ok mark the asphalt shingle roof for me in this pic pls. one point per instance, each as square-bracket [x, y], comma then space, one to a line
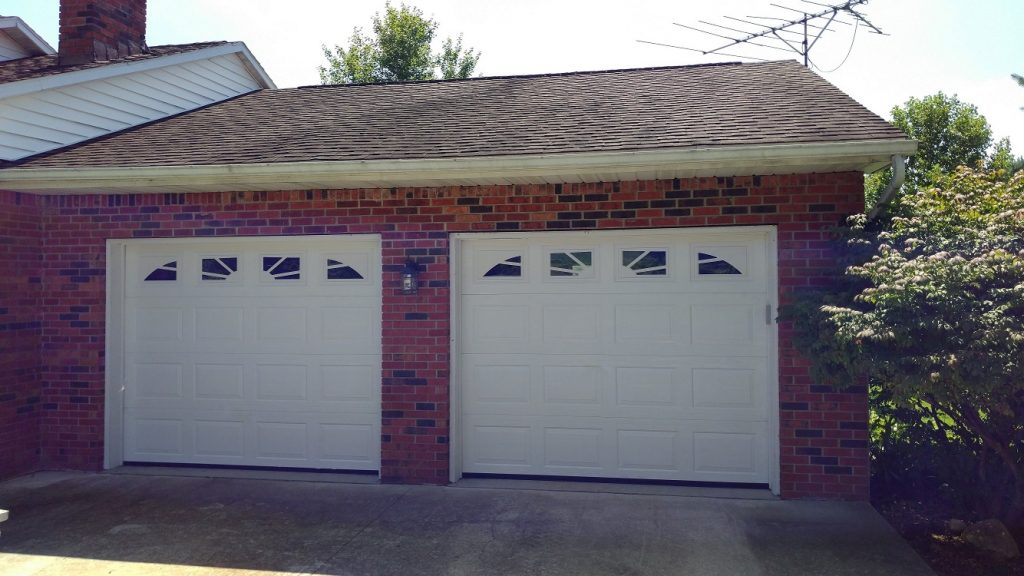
[616, 110]
[48, 65]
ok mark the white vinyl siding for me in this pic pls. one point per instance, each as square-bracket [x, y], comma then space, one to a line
[9, 49]
[54, 118]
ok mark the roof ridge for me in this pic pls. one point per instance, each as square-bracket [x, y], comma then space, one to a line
[199, 43]
[550, 74]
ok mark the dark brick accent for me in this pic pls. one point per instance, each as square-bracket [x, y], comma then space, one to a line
[843, 470]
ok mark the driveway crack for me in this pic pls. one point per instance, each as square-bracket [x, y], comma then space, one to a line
[321, 565]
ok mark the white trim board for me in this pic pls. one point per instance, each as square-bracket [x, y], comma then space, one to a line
[661, 163]
[25, 36]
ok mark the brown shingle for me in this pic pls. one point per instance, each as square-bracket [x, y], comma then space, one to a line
[698, 106]
[39, 66]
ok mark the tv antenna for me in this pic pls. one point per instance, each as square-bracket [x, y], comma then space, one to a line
[793, 34]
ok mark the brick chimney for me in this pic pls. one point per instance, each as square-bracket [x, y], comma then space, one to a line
[98, 30]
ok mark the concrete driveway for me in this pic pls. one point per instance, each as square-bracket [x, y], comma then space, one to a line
[85, 524]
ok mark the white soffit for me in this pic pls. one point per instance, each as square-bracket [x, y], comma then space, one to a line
[23, 34]
[862, 156]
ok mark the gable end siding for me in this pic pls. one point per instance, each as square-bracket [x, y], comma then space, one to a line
[51, 119]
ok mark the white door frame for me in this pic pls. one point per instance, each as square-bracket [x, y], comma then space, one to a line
[114, 334]
[456, 384]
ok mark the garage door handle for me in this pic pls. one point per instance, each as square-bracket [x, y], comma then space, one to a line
[768, 314]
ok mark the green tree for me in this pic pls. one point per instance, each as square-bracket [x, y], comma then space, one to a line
[398, 50]
[950, 133]
[934, 314]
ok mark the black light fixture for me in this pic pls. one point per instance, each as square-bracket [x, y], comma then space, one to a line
[410, 277]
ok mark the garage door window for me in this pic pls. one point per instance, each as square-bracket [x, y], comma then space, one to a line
[711, 264]
[509, 267]
[166, 273]
[219, 268]
[646, 262]
[572, 263]
[283, 267]
[338, 270]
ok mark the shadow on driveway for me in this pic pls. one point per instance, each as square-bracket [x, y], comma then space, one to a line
[85, 524]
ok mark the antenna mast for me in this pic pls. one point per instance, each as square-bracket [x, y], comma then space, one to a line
[788, 34]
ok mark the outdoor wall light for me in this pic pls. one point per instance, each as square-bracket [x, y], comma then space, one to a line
[410, 277]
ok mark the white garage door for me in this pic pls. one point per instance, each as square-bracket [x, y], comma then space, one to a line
[253, 352]
[639, 354]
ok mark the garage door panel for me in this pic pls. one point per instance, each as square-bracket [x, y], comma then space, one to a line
[713, 325]
[219, 380]
[565, 387]
[254, 352]
[718, 451]
[569, 327]
[502, 445]
[649, 453]
[220, 439]
[347, 445]
[602, 386]
[504, 326]
[158, 381]
[318, 383]
[163, 439]
[158, 326]
[635, 356]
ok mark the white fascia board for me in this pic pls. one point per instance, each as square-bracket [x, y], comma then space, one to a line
[25, 36]
[253, 66]
[549, 168]
[122, 68]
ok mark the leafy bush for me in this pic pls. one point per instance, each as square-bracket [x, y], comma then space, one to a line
[932, 308]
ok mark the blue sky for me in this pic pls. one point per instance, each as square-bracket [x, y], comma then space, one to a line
[963, 48]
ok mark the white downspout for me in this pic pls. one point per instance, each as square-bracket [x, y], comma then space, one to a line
[899, 174]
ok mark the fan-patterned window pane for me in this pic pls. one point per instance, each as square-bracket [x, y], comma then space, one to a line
[165, 273]
[646, 262]
[337, 270]
[509, 267]
[219, 268]
[570, 263]
[711, 264]
[282, 267]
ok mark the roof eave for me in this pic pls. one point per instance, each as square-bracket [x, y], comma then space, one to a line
[25, 36]
[662, 163]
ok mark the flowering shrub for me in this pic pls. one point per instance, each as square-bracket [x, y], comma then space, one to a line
[932, 310]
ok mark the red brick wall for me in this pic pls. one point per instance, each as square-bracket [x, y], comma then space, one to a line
[823, 433]
[20, 328]
[94, 30]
